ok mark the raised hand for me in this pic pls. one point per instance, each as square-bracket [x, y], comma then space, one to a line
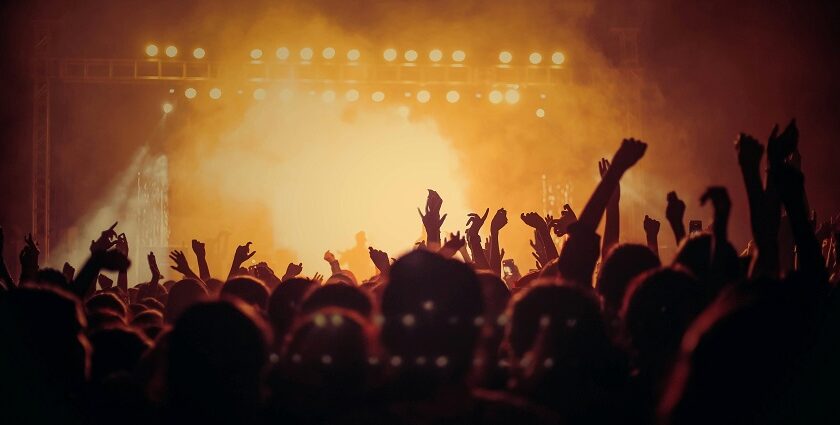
[781, 146]
[198, 248]
[292, 270]
[561, 225]
[380, 259]
[630, 152]
[105, 282]
[243, 253]
[534, 220]
[749, 151]
[318, 278]
[68, 271]
[153, 268]
[499, 220]
[719, 197]
[329, 257]
[432, 220]
[651, 226]
[452, 245]
[106, 240]
[181, 264]
[674, 213]
[29, 259]
[475, 221]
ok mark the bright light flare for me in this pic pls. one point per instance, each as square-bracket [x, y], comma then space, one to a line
[190, 93]
[353, 55]
[540, 112]
[256, 54]
[505, 57]
[377, 96]
[151, 50]
[496, 97]
[199, 53]
[306, 53]
[390, 54]
[282, 53]
[535, 58]
[558, 58]
[452, 96]
[171, 51]
[328, 53]
[351, 95]
[410, 55]
[423, 96]
[435, 55]
[167, 108]
[215, 93]
[512, 96]
[459, 56]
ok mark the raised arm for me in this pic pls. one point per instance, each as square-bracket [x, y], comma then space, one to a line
[5, 276]
[335, 266]
[613, 223]
[432, 220]
[791, 185]
[183, 266]
[750, 152]
[652, 233]
[380, 259]
[675, 213]
[201, 257]
[499, 221]
[474, 223]
[122, 275]
[242, 254]
[29, 260]
[628, 154]
[541, 233]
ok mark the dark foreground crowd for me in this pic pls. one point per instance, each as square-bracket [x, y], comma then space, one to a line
[600, 332]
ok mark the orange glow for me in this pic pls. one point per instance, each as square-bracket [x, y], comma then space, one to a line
[151, 50]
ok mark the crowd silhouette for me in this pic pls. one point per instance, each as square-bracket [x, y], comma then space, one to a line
[600, 332]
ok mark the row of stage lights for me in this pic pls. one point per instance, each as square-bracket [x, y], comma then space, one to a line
[510, 96]
[353, 55]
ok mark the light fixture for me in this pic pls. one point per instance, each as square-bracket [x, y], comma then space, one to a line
[505, 57]
[215, 93]
[282, 53]
[535, 58]
[151, 50]
[389, 54]
[171, 51]
[435, 55]
[452, 96]
[353, 55]
[190, 93]
[256, 54]
[558, 58]
[306, 53]
[459, 56]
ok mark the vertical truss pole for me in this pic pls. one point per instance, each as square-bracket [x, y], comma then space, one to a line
[41, 139]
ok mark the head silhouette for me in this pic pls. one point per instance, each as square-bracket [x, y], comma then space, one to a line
[217, 353]
[623, 263]
[338, 295]
[106, 301]
[116, 349]
[284, 304]
[182, 295]
[248, 290]
[431, 308]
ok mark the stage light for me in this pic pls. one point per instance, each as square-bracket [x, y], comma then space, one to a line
[256, 54]
[328, 53]
[171, 91]
[411, 55]
[423, 96]
[328, 96]
[353, 55]
[306, 53]
[535, 58]
[152, 50]
[540, 112]
[558, 58]
[435, 55]
[407, 94]
[459, 56]
[282, 53]
[215, 93]
[190, 93]
[452, 96]
[167, 108]
[286, 95]
[377, 96]
[496, 97]
[389, 54]
[171, 51]
[512, 96]
[352, 95]
[542, 96]
[259, 94]
[505, 57]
